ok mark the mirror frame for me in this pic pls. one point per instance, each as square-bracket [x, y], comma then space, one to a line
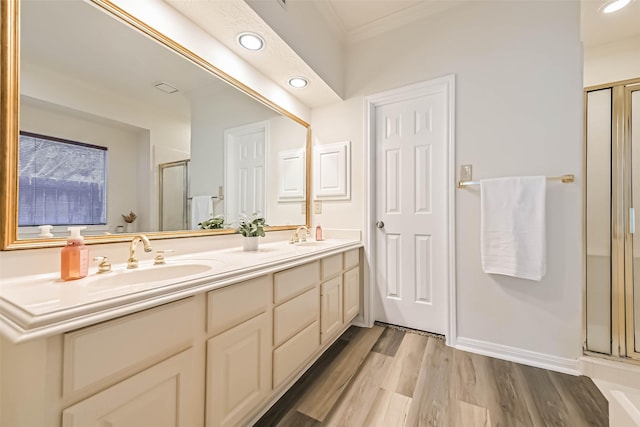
[10, 113]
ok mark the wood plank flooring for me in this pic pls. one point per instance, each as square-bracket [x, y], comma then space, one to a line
[388, 377]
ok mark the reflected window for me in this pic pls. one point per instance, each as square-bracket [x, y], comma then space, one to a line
[61, 182]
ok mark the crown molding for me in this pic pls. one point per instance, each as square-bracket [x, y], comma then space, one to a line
[403, 17]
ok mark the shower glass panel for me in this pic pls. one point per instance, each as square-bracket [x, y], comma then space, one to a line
[598, 218]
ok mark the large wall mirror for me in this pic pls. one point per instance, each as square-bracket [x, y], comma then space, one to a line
[104, 106]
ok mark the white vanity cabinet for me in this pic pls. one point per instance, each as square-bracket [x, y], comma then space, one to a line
[160, 396]
[126, 360]
[239, 355]
[331, 297]
[296, 318]
[351, 285]
[219, 356]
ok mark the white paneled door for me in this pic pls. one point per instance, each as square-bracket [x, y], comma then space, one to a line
[245, 171]
[411, 263]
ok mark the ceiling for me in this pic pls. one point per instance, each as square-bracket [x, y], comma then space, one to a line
[598, 29]
[355, 20]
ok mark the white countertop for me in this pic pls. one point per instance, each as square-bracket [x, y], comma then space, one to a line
[43, 305]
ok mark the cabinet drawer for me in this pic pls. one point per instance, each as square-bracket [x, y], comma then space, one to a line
[103, 354]
[288, 358]
[292, 282]
[232, 305]
[331, 266]
[294, 315]
[351, 258]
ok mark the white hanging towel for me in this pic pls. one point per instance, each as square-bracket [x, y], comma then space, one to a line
[513, 230]
[201, 210]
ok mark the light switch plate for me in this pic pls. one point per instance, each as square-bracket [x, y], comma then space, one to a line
[466, 173]
[317, 207]
[303, 208]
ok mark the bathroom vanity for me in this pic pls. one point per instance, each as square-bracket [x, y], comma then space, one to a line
[211, 339]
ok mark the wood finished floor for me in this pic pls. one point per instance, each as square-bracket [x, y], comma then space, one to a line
[387, 377]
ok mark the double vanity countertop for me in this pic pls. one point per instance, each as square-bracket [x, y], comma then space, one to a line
[43, 305]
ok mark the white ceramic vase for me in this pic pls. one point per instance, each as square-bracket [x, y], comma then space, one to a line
[250, 243]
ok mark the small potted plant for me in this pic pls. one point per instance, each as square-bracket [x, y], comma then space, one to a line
[215, 223]
[251, 229]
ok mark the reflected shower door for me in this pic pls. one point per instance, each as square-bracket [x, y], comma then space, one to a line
[174, 190]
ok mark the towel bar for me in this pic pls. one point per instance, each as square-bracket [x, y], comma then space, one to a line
[564, 178]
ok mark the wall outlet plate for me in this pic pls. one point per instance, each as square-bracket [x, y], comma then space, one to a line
[317, 207]
[303, 208]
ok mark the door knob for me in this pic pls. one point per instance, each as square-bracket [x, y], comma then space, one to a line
[380, 224]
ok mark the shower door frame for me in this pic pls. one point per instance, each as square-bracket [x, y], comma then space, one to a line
[630, 348]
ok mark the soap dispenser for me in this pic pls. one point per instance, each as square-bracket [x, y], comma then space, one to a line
[74, 258]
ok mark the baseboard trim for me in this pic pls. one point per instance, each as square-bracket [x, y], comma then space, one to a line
[518, 355]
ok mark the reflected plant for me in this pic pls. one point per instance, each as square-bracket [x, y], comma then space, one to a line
[215, 223]
[129, 218]
[253, 227]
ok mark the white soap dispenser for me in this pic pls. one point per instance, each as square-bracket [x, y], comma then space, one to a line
[45, 231]
[74, 258]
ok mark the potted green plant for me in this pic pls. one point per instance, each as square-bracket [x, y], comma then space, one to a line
[215, 223]
[251, 229]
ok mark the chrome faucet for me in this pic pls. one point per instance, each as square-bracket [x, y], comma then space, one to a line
[132, 262]
[297, 237]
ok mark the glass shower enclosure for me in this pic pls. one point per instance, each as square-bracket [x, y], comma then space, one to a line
[612, 231]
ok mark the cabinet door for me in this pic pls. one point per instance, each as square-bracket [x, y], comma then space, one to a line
[330, 308]
[161, 396]
[351, 294]
[238, 371]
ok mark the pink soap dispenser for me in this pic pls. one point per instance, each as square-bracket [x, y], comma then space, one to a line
[74, 258]
[319, 233]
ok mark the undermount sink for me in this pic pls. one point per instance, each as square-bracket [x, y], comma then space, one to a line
[159, 273]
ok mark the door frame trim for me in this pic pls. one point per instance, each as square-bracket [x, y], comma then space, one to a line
[444, 84]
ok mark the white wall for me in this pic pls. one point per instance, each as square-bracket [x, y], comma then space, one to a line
[612, 62]
[518, 68]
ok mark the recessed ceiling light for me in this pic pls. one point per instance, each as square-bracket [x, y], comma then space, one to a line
[614, 5]
[250, 41]
[298, 82]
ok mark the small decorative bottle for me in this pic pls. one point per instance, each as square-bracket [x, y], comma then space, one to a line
[319, 233]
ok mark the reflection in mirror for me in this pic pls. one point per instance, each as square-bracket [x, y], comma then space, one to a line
[106, 84]
[174, 195]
